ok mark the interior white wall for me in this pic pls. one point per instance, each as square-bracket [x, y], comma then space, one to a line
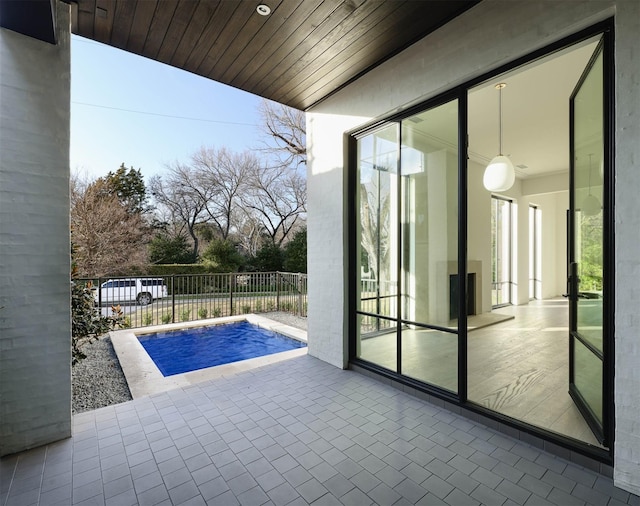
[461, 50]
[35, 323]
[553, 208]
[479, 228]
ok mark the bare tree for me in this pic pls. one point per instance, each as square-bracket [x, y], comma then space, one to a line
[277, 196]
[223, 175]
[249, 232]
[285, 128]
[106, 238]
[183, 196]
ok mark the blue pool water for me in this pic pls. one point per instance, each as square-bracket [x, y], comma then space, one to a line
[180, 351]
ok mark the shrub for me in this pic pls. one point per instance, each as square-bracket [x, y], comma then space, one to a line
[167, 317]
[217, 312]
[148, 319]
[202, 312]
[246, 308]
[87, 324]
[186, 314]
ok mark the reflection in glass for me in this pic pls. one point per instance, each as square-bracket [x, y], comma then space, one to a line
[377, 197]
[429, 184]
[377, 341]
[589, 195]
[588, 378]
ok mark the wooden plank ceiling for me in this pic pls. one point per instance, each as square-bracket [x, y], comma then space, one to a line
[298, 55]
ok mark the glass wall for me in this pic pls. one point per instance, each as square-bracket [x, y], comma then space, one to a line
[412, 220]
[408, 246]
[377, 197]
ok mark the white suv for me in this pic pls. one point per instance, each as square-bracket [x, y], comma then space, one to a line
[140, 290]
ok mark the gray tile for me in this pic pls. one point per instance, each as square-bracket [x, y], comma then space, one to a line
[283, 494]
[338, 485]
[232, 470]
[416, 472]
[60, 495]
[561, 498]
[269, 480]
[486, 495]
[365, 481]
[253, 497]
[297, 476]
[311, 490]
[557, 480]
[126, 498]
[356, 497]
[348, 468]
[147, 482]
[463, 465]
[284, 463]
[87, 490]
[213, 488]
[508, 472]
[535, 485]
[440, 469]
[437, 486]
[183, 492]
[589, 495]
[463, 482]
[580, 475]
[225, 499]
[323, 471]
[390, 476]
[459, 498]
[530, 467]
[513, 492]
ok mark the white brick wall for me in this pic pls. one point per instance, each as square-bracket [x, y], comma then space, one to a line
[35, 329]
[487, 36]
[627, 247]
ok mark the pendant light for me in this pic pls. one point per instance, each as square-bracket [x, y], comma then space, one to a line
[499, 175]
[591, 204]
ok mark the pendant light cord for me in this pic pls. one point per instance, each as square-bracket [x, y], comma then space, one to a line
[500, 86]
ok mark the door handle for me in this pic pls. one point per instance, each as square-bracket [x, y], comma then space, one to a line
[572, 281]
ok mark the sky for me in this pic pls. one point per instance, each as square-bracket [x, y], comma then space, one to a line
[133, 110]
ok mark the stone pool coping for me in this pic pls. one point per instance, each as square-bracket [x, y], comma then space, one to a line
[144, 377]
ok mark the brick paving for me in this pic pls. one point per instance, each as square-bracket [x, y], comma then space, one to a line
[295, 432]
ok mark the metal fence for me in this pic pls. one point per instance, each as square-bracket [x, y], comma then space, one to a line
[187, 297]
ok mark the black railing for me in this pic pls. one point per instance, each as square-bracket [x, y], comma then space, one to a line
[154, 300]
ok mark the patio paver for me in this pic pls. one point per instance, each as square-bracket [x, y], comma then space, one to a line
[294, 432]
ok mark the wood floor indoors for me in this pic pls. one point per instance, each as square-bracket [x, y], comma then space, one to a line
[518, 367]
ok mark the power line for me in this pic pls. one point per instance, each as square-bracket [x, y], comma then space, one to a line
[165, 115]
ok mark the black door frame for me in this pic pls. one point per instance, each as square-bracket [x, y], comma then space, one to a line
[606, 29]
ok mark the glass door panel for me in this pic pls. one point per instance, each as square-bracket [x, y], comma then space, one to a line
[429, 185]
[377, 257]
[586, 244]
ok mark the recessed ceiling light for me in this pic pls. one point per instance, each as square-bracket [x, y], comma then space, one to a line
[263, 10]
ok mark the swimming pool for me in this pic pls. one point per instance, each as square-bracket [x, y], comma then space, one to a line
[185, 350]
[145, 378]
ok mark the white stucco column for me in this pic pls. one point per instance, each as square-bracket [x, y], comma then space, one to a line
[35, 324]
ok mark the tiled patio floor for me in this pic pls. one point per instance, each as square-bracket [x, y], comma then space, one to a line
[295, 432]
